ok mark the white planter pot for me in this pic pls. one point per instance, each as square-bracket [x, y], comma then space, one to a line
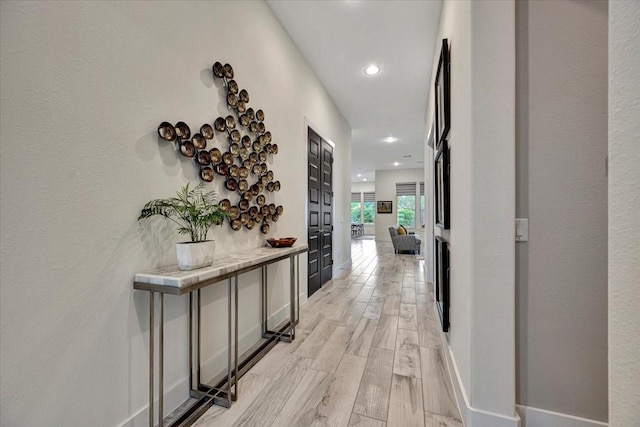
[194, 255]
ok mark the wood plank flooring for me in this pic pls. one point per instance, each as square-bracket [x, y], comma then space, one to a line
[367, 353]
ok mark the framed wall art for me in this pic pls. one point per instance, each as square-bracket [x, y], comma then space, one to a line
[385, 207]
[442, 281]
[443, 95]
[441, 168]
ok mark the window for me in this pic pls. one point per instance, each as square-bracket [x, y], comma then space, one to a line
[369, 208]
[363, 208]
[356, 208]
[406, 202]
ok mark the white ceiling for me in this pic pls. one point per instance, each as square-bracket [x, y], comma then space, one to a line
[339, 39]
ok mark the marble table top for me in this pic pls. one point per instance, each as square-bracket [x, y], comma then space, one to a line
[172, 277]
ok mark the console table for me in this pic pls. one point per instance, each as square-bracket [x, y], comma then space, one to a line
[226, 267]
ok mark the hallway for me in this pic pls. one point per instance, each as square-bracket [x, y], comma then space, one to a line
[367, 353]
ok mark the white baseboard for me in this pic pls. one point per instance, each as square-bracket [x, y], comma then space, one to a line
[534, 417]
[526, 416]
[337, 270]
[479, 418]
[175, 395]
[452, 371]
[471, 417]
[454, 377]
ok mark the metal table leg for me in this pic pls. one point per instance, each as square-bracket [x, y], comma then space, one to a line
[235, 345]
[161, 367]
[263, 298]
[298, 290]
[292, 302]
[151, 345]
[190, 330]
[160, 360]
[229, 343]
[198, 337]
[287, 332]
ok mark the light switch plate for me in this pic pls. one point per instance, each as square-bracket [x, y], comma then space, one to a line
[522, 229]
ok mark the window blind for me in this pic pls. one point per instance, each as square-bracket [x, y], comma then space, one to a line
[422, 188]
[355, 197]
[406, 189]
[369, 197]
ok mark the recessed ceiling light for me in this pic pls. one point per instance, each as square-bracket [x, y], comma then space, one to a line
[390, 139]
[372, 70]
[364, 179]
[395, 163]
[359, 175]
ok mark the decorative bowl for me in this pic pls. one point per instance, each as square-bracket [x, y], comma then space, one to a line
[284, 242]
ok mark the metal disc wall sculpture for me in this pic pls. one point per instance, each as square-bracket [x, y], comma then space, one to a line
[242, 159]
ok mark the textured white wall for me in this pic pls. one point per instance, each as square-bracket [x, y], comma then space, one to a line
[562, 269]
[482, 147]
[84, 86]
[455, 25]
[386, 190]
[493, 206]
[624, 221]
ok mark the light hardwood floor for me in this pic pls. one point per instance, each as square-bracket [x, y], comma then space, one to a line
[367, 353]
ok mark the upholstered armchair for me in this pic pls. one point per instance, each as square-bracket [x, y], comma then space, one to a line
[406, 242]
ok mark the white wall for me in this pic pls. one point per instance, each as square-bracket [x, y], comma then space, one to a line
[493, 206]
[624, 221]
[84, 86]
[482, 147]
[363, 187]
[386, 190]
[562, 189]
[455, 25]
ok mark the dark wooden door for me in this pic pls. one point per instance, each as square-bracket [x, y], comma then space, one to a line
[327, 212]
[320, 160]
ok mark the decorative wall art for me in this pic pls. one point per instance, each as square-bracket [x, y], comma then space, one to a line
[441, 181]
[442, 281]
[385, 207]
[443, 95]
[246, 146]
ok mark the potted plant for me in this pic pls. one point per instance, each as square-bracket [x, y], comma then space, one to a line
[194, 211]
